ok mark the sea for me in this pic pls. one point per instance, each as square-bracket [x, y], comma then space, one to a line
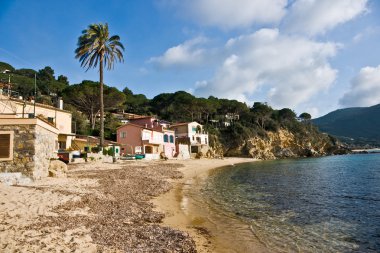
[327, 204]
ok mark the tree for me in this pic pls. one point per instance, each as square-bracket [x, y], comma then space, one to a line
[262, 113]
[46, 74]
[97, 47]
[63, 79]
[286, 114]
[5, 66]
[25, 72]
[305, 116]
[85, 97]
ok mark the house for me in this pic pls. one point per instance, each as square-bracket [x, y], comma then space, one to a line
[139, 139]
[192, 134]
[11, 107]
[151, 122]
[91, 144]
[30, 135]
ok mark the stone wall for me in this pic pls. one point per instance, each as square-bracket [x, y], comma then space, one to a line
[33, 147]
[45, 146]
[23, 149]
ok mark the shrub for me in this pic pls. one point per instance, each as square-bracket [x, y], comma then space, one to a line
[95, 149]
[110, 152]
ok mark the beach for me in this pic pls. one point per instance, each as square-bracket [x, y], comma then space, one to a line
[108, 208]
[181, 207]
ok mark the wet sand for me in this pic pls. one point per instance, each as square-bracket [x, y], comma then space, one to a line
[185, 210]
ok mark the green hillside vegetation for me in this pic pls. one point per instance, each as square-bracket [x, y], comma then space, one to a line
[229, 122]
[5, 66]
[357, 126]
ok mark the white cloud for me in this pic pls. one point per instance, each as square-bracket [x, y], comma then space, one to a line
[286, 70]
[318, 16]
[188, 53]
[369, 31]
[365, 88]
[230, 14]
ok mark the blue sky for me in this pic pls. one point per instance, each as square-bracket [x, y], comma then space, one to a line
[308, 55]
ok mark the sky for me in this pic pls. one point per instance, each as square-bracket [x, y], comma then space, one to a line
[308, 55]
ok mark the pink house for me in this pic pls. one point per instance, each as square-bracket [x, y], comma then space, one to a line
[146, 136]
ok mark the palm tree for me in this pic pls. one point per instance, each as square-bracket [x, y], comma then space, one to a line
[95, 46]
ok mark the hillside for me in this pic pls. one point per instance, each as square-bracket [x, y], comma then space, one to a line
[358, 126]
[235, 128]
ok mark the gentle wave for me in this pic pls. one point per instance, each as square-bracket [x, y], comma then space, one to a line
[328, 204]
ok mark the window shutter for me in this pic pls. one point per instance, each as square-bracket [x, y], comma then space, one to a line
[5, 144]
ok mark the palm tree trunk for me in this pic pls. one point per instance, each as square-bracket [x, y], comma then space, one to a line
[101, 102]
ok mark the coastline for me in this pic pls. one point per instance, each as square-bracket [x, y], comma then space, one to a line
[176, 203]
[81, 212]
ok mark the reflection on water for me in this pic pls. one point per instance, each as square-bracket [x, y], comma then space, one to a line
[329, 204]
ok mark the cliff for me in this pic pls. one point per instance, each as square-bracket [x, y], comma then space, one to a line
[281, 144]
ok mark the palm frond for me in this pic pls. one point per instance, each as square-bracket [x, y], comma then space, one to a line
[95, 45]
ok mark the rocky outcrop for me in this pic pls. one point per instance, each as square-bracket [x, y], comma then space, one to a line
[284, 144]
[57, 169]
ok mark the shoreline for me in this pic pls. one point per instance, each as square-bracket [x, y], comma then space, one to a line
[176, 204]
[149, 198]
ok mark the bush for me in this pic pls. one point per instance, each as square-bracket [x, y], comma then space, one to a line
[110, 152]
[95, 149]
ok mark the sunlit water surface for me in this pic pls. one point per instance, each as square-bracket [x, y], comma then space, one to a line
[329, 204]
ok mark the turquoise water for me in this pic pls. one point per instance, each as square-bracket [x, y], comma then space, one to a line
[329, 204]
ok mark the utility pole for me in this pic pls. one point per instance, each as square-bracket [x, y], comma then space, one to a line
[35, 93]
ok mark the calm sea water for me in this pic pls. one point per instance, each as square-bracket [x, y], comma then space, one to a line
[329, 204]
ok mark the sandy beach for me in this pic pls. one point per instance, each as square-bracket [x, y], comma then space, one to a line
[179, 213]
[104, 207]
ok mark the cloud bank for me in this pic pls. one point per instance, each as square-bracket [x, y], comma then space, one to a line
[318, 16]
[288, 65]
[231, 14]
[186, 54]
[365, 88]
[289, 69]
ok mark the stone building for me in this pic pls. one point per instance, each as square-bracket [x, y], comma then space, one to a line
[26, 146]
[31, 134]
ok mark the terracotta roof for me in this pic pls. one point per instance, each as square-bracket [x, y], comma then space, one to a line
[180, 124]
[135, 125]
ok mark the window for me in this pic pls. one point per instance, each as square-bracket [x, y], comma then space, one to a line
[206, 140]
[166, 138]
[194, 129]
[123, 134]
[148, 150]
[30, 115]
[51, 120]
[194, 149]
[171, 139]
[6, 146]
[62, 144]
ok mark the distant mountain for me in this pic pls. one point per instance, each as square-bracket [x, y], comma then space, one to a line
[358, 125]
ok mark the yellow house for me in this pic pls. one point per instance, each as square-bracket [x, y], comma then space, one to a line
[55, 116]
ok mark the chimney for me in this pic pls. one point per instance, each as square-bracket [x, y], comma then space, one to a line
[60, 103]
